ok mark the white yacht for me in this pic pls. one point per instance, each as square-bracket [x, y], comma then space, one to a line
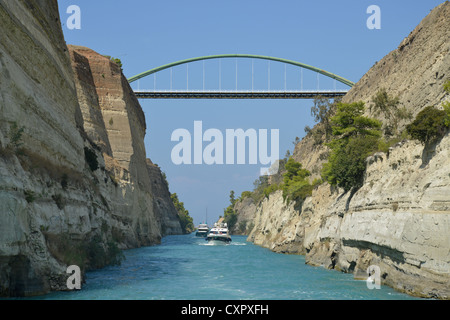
[202, 230]
[219, 233]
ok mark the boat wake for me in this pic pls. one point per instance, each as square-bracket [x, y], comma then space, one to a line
[238, 244]
[221, 243]
[214, 243]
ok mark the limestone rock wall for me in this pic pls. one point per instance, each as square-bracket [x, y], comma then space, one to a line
[415, 71]
[246, 213]
[162, 204]
[33, 62]
[74, 188]
[116, 123]
[400, 219]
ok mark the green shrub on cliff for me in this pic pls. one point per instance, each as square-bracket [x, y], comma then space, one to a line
[245, 194]
[258, 188]
[447, 86]
[447, 112]
[16, 133]
[389, 106]
[296, 186]
[271, 189]
[115, 60]
[322, 110]
[14, 147]
[355, 137]
[347, 163]
[429, 125]
[229, 214]
[446, 105]
[186, 221]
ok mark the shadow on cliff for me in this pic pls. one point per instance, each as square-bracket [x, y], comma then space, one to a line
[429, 150]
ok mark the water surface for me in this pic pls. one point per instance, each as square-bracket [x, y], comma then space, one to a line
[188, 268]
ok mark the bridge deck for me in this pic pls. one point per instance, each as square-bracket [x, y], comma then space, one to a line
[232, 94]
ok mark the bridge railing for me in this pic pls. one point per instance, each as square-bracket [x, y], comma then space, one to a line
[318, 92]
[238, 94]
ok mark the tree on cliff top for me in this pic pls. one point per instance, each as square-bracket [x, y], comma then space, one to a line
[115, 60]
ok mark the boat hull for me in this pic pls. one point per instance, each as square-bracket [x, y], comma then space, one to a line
[218, 238]
[201, 234]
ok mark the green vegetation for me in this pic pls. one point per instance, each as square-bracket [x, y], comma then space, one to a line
[229, 214]
[14, 146]
[16, 136]
[389, 106]
[351, 138]
[30, 196]
[446, 105]
[295, 185]
[429, 125]
[259, 185]
[355, 137]
[271, 189]
[245, 194]
[322, 111]
[447, 86]
[186, 221]
[115, 60]
[447, 114]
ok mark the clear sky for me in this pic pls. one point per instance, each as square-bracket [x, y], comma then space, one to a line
[332, 35]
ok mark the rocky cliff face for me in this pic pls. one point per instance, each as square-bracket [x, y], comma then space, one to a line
[399, 219]
[115, 122]
[162, 203]
[75, 184]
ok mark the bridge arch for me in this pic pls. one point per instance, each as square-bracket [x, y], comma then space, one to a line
[251, 56]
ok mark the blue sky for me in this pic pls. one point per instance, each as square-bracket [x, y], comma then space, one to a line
[328, 34]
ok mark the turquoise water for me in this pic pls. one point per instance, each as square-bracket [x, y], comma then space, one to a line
[188, 268]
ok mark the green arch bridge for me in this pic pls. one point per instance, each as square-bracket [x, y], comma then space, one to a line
[239, 94]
